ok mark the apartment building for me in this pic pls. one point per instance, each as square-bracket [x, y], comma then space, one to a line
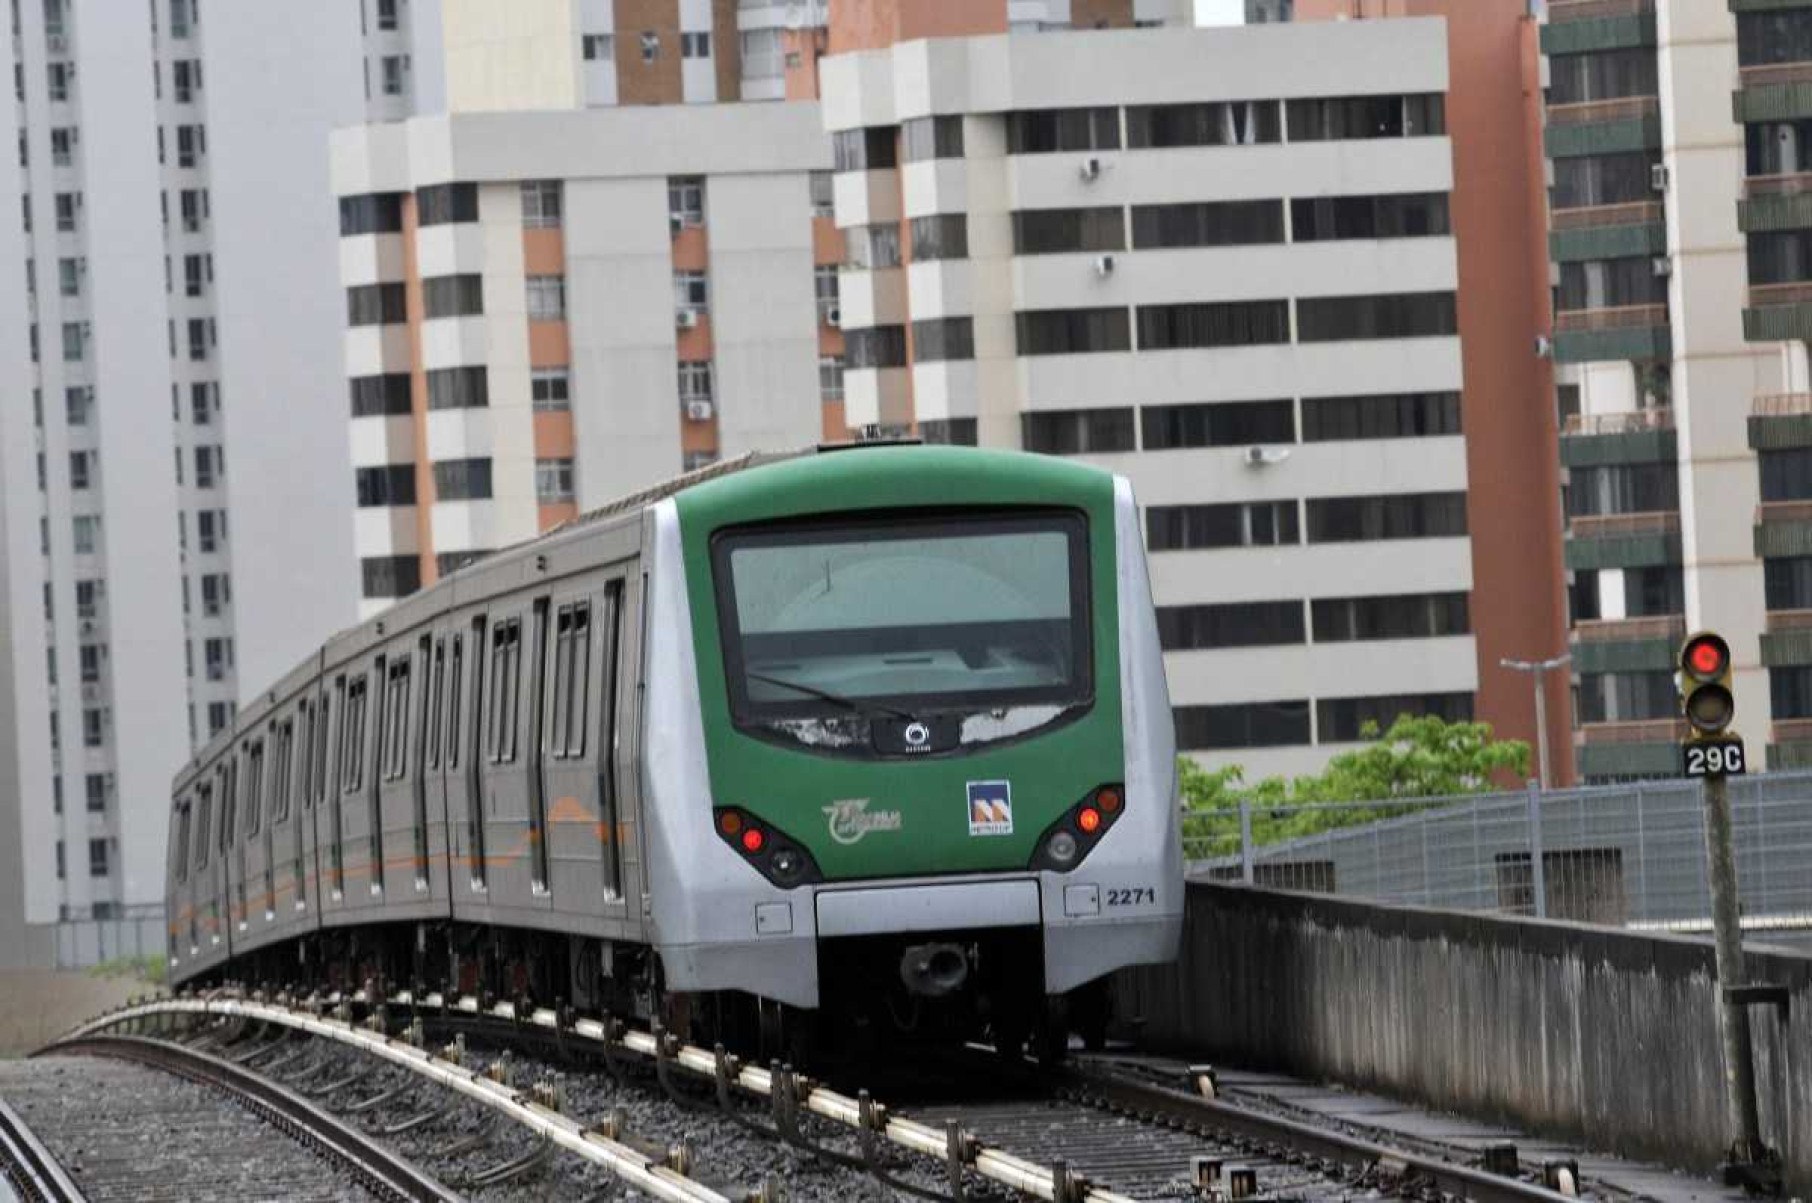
[173, 316]
[1223, 262]
[547, 310]
[1685, 399]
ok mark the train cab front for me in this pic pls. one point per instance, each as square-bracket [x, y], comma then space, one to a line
[940, 767]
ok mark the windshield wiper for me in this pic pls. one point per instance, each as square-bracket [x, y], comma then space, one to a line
[824, 695]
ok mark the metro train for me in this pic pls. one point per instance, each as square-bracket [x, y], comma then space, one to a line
[855, 739]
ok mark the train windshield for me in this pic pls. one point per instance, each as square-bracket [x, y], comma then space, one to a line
[830, 629]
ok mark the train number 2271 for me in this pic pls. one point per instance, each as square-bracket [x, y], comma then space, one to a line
[1132, 897]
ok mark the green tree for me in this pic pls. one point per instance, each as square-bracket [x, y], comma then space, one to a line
[1420, 757]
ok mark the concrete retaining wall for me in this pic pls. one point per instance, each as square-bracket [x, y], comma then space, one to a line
[1598, 1036]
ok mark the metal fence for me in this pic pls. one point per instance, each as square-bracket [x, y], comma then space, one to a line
[137, 931]
[1627, 855]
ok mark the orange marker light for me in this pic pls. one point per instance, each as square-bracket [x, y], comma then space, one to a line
[729, 822]
[1089, 820]
[752, 840]
[1108, 800]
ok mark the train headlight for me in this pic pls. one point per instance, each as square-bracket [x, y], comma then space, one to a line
[1061, 847]
[787, 864]
[1066, 842]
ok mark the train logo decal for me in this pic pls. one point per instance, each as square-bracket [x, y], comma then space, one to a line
[917, 735]
[851, 819]
[990, 808]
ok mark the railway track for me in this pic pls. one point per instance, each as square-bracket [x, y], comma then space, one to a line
[30, 1168]
[1066, 1140]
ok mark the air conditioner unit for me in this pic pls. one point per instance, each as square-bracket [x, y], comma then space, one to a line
[1544, 347]
[1104, 265]
[675, 223]
[1661, 265]
[685, 319]
[1090, 169]
[1657, 177]
[833, 316]
[1255, 457]
[699, 411]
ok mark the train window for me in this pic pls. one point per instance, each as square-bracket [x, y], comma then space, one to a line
[182, 842]
[395, 721]
[226, 778]
[572, 664]
[474, 785]
[202, 847]
[455, 686]
[610, 618]
[506, 690]
[282, 742]
[437, 688]
[352, 735]
[254, 787]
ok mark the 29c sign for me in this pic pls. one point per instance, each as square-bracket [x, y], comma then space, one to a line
[1715, 758]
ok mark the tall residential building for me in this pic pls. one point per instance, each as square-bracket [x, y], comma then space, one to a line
[173, 330]
[1685, 409]
[1224, 262]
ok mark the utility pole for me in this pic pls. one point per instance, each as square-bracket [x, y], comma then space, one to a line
[1538, 670]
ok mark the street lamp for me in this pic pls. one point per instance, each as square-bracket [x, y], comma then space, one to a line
[1538, 669]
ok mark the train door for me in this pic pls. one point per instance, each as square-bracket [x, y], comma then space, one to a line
[535, 715]
[465, 753]
[503, 800]
[333, 786]
[431, 817]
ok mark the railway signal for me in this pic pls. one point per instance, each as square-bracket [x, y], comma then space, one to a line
[1706, 700]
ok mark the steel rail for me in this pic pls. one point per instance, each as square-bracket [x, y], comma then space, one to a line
[1029, 1178]
[628, 1164]
[371, 1164]
[29, 1165]
[1354, 1154]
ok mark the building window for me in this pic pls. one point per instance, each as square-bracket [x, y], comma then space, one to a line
[462, 480]
[686, 200]
[598, 48]
[1234, 524]
[67, 205]
[1388, 416]
[541, 204]
[553, 480]
[1213, 324]
[217, 654]
[75, 341]
[876, 347]
[182, 17]
[88, 661]
[375, 304]
[695, 45]
[948, 432]
[830, 378]
[1230, 624]
[197, 274]
[1777, 257]
[193, 203]
[1399, 315]
[97, 793]
[924, 138]
[216, 593]
[694, 380]
[1222, 424]
[1409, 215]
[691, 291]
[550, 389]
[1242, 725]
[1217, 223]
[1078, 431]
[185, 76]
[651, 46]
[455, 296]
[191, 145]
[372, 213]
[210, 466]
[97, 858]
[448, 562]
[1394, 516]
[94, 727]
[945, 338]
[459, 388]
[59, 76]
[828, 292]
[210, 530]
[62, 145]
[219, 715]
[1050, 130]
[81, 469]
[390, 576]
[944, 236]
[395, 73]
[872, 247]
[873, 149]
[380, 396]
[445, 203]
[387, 484]
[88, 593]
[1055, 231]
[823, 193]
[1325, 119]
[1604, 489]
[1406, 616]
[1072, 331]
[62, 867]
[201, 338]
[1605, 74]
[386, 14]
[762, 54]
[1223, 123]
[1349, 720]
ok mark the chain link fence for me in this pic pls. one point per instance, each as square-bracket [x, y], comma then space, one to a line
[1628, 855]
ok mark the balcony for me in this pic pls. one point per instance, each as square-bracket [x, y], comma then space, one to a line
[1787, 639]
[1791, 745]
[1642, 748]
[1603, 127]
[1774, 92]
[1607, 232]
[1640, 436]
[1627, 332]
[1623, 541]
[1783, 528]
[1778, 312]
[1619, 645]
[1776, 202]
[1578, 26]
[1779, 421]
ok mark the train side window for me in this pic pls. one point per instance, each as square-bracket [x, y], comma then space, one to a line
[225, 779]
[352, 735]
[456, 673]
[182, 842]
[560, 683]
[572, 680]
[202, 847]
[396, 720]
[254, 787]
[610, 619]
[506, 690]
[283, 736]
[437, 688]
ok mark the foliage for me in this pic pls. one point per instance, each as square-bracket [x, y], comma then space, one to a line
[146, 969]
[1420, 757]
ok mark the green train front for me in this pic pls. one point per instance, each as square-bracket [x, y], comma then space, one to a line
[907, 743]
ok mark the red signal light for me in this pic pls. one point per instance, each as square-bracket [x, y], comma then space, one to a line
[752, 840]
[1706, 658]
[1109, 800]
[1089, 820]
[729, 822]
